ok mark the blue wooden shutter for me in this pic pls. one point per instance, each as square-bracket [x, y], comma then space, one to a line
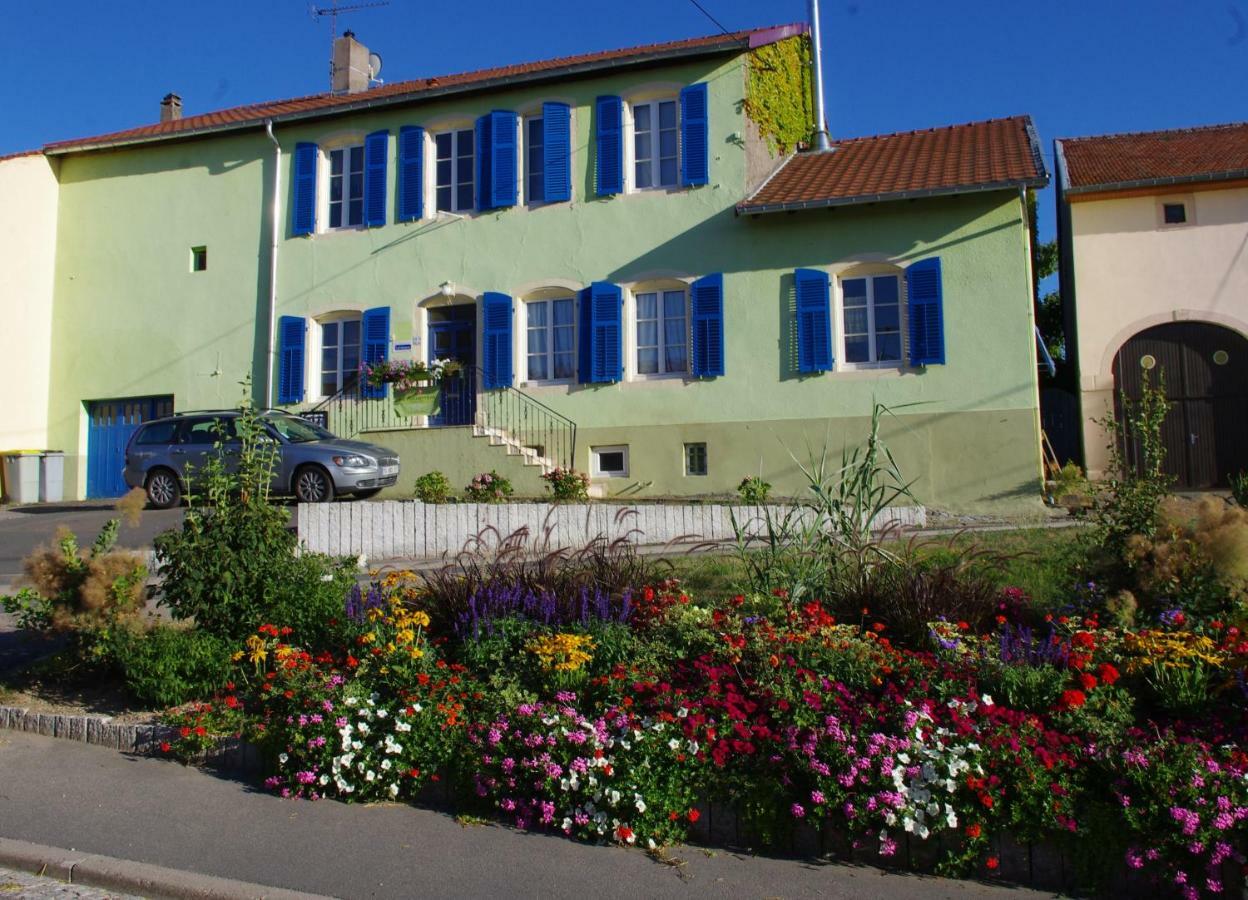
[707, 305]
[609, 140]
[411, 175]
[376, 147]
[695, 144]
[556, 152]
[496, 160]
[606, 332]
[814, 321]
[291, 332]
[584, 336]
[496, 335]
[303, 209]
[925, 310]
[376, 337]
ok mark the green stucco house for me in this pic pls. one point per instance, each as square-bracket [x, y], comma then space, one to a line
[644, 270]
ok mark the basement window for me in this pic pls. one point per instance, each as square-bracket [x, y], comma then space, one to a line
[695, 459]
[609, 462]
[199, 259]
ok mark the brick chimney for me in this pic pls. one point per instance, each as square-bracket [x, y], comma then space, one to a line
[350, 65]
[170, 108]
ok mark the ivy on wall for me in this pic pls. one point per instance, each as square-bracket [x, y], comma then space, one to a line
[780, 98]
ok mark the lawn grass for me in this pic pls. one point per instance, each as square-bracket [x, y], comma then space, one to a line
[1038, 560]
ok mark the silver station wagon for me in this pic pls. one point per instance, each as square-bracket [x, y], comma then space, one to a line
[312, 464]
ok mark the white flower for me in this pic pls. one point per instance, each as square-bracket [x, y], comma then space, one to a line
[324, 780]
[674, 744]
[370, 775]
[641, 805]
[357, 745]
[418, 707]
[394, 790]
[363, 729]
[614, 797]
[282, 757]
[381, 714]
[650, 843]
[402, 726]
[986, 700]
[681, 713]
[385, 764]
[350, 701]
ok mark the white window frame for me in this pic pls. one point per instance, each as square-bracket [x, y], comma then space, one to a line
[549, 296]
[869, 275]
[345, 203]
[315, 344]
[659, 290]
[595, 459]
[456, 132]
[655, 160]
[525, 159]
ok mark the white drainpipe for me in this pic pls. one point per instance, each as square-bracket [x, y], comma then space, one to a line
[821, 114]
[277, 181]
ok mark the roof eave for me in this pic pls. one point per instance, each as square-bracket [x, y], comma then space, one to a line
[1036, 182]
[743, 43]
[1169, 181]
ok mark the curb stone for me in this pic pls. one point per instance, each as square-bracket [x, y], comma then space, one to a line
[131, 877]
[231, 755]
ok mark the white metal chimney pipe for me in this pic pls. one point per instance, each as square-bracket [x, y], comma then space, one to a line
[821, 114]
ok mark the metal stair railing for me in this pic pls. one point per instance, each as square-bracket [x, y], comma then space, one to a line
[508, 414]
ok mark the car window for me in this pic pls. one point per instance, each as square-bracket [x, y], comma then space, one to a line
[208, 431]
[157, 433]
[296, 430]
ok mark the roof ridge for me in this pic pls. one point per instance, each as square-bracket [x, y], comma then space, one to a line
[1190, 129]
[931, 130]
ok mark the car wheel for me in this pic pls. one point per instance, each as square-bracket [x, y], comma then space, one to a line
[164, 491]
[364, 495]
[312, 485]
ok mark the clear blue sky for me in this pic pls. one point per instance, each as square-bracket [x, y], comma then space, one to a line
[79, 67]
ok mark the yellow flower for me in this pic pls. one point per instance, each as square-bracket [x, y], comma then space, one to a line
[420, 619]
[237, 656]
[562, 652]
[257, 651]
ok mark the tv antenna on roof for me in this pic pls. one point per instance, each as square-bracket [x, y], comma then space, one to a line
[331, 12]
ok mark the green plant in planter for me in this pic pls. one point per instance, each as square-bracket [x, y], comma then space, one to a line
[488, 487]
[433, 487]
[754, 490]
[567, 484]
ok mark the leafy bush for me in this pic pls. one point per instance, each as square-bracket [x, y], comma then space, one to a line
[1067, 481]
[488, 487]
[168, 666]
[753, 490]
[1239, 488]
[567, 484]
[79, 590]
[232, 565]
[433, 487]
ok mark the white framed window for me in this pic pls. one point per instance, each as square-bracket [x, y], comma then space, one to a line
[534, 156]
[656, 144]
[340, 353]
[871, 320]
[609, 462]
[550, 339]
[662, 331]
[346, 186]
[454, 167]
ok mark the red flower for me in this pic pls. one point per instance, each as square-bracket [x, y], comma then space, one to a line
[184, 731]
[693, 815]
[352, 662]
[673, 816]
[992, 862]
[877, 627]
[973, 830]
[1073, 699]
[200, 731]
[1108, 674]
[164, 747]
[231, 701]
[624, 833]
[1087, 682]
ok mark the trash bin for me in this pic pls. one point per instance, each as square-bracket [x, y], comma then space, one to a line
[51, 476]
[21, 476]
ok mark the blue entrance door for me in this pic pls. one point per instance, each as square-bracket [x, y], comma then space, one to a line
[453, 336]
[110, 425]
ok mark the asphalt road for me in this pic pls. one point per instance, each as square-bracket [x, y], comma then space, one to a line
[23, 528]
[96, 800]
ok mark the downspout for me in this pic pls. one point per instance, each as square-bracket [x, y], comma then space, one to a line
[821, 114]
[273, 246]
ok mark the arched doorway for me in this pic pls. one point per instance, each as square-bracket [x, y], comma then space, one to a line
[1206, 373]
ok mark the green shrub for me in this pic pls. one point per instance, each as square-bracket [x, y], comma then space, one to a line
[1068, 481]
[567, 484]
[168, 666]
[1239, 488]
[433, 487]
[753, 490]
[488, 487]
[1035, 688]
[232, 565]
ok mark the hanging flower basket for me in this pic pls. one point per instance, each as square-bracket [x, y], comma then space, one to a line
[418, 400]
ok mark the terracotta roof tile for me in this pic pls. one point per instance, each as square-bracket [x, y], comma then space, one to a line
[997, 153]
[1183, 154]
[19, 154]
[327, 104]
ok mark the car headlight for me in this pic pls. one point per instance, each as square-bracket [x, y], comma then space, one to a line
[353, 462]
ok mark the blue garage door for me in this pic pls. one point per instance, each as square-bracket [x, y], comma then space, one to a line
[111, 424]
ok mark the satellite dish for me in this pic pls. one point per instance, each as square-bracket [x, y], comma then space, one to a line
[374, 65]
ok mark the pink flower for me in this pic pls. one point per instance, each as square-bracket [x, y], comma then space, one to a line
[798, 810]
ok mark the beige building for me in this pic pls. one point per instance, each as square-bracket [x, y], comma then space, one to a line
[1154, 280]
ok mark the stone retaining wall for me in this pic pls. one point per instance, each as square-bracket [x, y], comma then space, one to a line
[409, 529]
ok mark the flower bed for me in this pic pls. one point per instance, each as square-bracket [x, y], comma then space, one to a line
[628, 720]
